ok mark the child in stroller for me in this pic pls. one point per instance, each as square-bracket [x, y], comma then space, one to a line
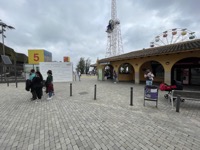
[176, 85]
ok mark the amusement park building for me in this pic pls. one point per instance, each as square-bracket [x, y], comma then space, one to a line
[179, 61]
[20, 58]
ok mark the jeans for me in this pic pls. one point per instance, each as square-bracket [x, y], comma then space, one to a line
[50, 93]
[149, 82]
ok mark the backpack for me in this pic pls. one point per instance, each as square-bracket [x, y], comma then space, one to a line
[28, 85]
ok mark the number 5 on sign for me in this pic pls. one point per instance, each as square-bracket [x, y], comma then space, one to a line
[35, 56]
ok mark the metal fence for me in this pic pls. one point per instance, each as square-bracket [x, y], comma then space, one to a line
[12, 74]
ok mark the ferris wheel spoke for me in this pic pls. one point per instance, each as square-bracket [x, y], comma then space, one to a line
[177, 39]
[157, 44]
[172, 39]
[162, 41]
[167, 40]
[184, 38]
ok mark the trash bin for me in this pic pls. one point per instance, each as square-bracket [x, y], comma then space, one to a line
[151, 93]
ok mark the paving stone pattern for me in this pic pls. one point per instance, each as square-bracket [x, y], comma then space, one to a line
[79, 122]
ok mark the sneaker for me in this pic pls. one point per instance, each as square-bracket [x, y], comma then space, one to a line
[49, 98]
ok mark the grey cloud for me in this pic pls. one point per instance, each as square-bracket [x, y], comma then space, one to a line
[77, 28]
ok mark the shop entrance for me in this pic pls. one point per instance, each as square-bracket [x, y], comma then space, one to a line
[187, 71]
[108, 72]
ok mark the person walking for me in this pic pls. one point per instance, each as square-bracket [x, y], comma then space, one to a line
[149, 77]
[115, 76]
[79, 75]
[49, 85]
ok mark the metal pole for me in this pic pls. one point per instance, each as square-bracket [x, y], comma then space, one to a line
[3, 25]
[15, 71]
[3, 40]
[131, 97]
[75, 76]
[4, 69]
[7, 78]
[95, 92]
[178, 103]
[70, 89]
[1, 72]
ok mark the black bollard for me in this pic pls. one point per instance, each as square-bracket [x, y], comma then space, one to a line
[178, 103]
[70, 89]
[7, 82]
[95, 92]
[131, 97]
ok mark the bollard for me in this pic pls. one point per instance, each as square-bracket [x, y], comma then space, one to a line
[178, 103]
[16, 82]
[70, 89]
[7, 81]
[131, 97]
[95, 91]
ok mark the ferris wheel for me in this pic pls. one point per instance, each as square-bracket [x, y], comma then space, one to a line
[173, 36]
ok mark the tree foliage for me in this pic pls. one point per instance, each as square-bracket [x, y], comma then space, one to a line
[83, 65]
[87, 65]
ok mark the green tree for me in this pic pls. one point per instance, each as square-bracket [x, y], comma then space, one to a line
[81, 65]
[87, 65]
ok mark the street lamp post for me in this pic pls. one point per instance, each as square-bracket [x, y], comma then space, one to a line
[2, 30]
[3, 27]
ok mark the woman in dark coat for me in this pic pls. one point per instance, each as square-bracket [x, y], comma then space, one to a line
[49, 85]
[37, 83]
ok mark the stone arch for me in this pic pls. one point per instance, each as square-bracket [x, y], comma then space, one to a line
[187, 70]
[126, 72]
[156, 68]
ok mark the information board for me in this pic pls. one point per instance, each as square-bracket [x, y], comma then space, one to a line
[62, 71]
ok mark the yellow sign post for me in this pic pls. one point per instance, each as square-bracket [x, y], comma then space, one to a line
[36, 56]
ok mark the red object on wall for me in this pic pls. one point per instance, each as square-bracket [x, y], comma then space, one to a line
[66, 59]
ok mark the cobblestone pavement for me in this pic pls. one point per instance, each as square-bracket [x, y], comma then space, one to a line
[79, 122]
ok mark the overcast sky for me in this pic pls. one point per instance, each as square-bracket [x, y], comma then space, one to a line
[76, 28]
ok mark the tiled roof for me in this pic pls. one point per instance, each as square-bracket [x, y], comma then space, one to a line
[162, 50]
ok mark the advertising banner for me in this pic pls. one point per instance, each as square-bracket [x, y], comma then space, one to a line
[62, 71]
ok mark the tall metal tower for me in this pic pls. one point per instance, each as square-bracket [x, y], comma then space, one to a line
[114, 41]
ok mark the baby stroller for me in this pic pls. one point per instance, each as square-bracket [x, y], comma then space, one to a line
[176, 85]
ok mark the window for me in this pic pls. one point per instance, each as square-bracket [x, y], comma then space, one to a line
[125, 69]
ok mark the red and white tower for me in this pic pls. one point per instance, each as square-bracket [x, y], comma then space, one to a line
[114, 43]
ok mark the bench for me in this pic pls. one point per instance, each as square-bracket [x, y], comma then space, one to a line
[186, 95]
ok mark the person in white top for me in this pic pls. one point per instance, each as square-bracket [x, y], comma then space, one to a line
[79, 75]
[149, 77]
